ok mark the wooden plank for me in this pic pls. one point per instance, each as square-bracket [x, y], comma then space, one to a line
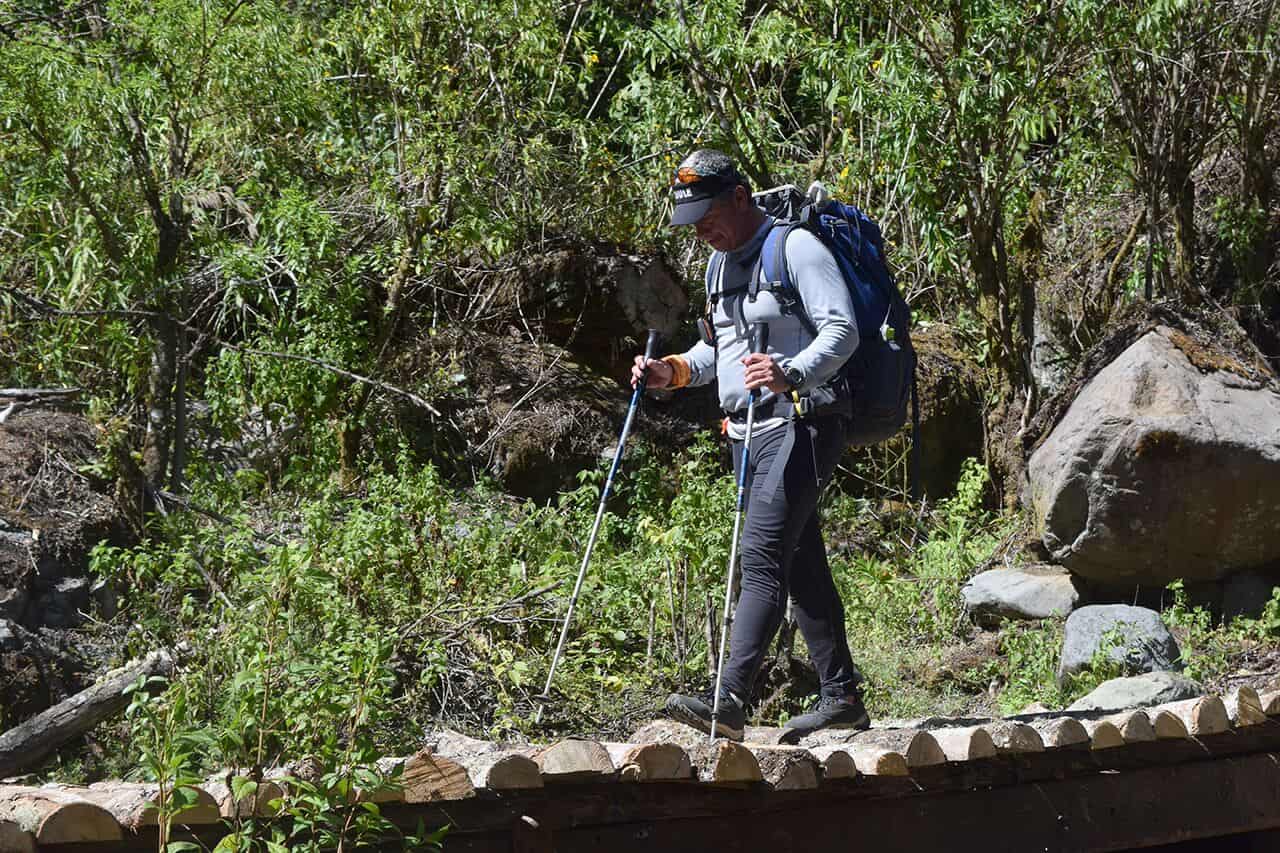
[1244, 706]
[1205, 715]
[964, 743]
[649, 762]
[1061, 733]
[488, 765]
[54, 816]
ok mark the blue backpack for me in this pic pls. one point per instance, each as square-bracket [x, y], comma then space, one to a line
[881, 372]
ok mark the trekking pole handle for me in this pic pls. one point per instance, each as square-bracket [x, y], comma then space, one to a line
[760, 338]
[651, 347]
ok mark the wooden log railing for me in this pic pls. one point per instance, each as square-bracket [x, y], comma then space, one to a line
[1189, 769]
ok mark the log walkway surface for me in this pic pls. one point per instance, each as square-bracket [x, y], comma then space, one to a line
[1199, 769]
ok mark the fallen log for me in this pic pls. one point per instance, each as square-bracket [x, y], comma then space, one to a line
[489, 765]
[57, 817]
[37, 393]
[28, 743]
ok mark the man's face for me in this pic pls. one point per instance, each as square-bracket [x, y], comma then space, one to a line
[720, 226]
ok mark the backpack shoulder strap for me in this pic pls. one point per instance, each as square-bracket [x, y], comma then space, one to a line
[773, 261]
[714, 266]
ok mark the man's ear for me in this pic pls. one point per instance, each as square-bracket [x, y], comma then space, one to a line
[741, 196]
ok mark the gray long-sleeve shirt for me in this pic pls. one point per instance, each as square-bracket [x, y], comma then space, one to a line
[825, 299]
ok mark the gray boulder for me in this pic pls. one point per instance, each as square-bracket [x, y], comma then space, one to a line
[1138, 691]
[1133, 637]
[1020, 592]
[1166, 465]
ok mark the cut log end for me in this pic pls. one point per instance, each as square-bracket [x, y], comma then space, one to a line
[1103, 735]
[1205, 715]
[1134, 726]
[1244, 707]
[1061, 733]
[1167, 725]
[964, 743]
[574, 760]
[649, 761]
[57, 817]
[1012, 738]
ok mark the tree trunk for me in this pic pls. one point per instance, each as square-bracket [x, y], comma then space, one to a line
[1182, 196]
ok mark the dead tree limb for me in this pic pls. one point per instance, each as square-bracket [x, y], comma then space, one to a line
[29, 742]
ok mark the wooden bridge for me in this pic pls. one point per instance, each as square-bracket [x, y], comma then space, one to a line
[1202, 774]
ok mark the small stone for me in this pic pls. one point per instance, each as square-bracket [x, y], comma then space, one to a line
[1020, 592]
[1133, 637]
[1139, 691]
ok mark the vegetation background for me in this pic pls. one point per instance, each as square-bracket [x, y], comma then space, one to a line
[269, 221]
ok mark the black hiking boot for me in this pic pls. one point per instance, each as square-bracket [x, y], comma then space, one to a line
[846, 712]
[696, 711]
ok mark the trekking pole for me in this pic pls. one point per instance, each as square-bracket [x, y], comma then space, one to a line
[759, 344]
[651, 348]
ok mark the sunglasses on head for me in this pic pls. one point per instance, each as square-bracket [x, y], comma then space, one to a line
[685, 175]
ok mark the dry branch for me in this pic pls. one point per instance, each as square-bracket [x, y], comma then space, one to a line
[27, 743]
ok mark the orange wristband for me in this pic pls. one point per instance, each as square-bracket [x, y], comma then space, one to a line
[680, 372]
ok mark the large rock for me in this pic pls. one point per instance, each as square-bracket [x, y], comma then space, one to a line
[1166, 465]
[1138, 691]
[1020, 592]
[1133, 637]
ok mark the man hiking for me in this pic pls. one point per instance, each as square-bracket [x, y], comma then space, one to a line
[800, 422]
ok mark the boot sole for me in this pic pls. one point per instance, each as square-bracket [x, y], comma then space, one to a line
[681, 715]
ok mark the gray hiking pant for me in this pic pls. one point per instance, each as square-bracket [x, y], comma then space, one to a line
[782, 552]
